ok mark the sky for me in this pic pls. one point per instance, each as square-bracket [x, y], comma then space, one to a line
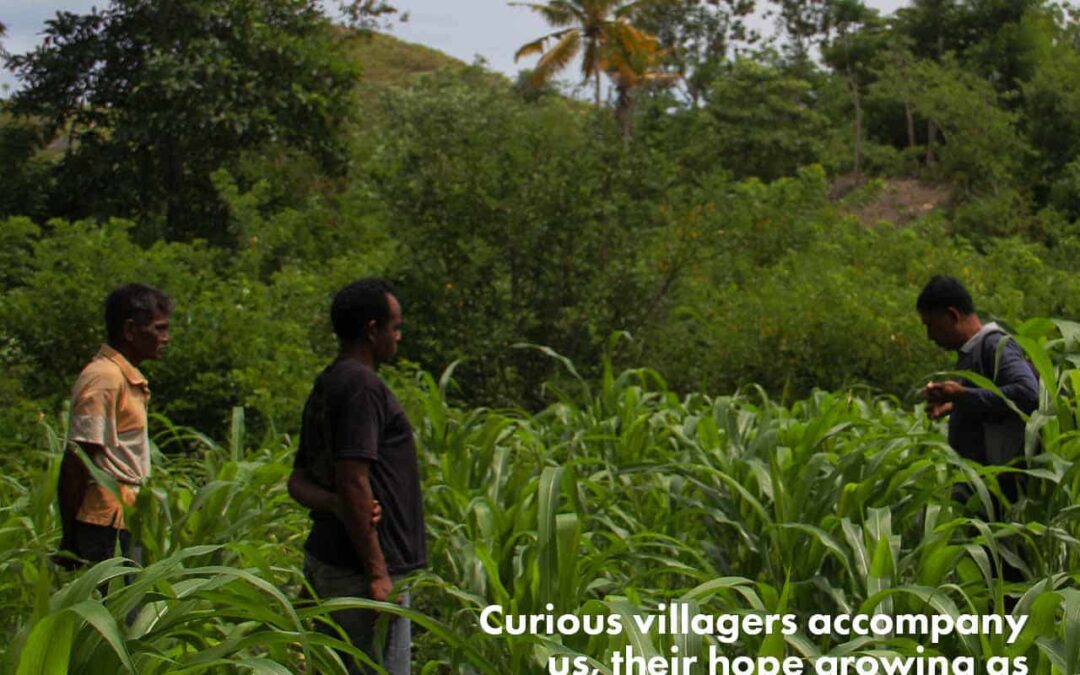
[465, 29]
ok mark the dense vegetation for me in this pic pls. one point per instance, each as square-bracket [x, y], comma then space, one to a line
[749, 214]
[619, 496]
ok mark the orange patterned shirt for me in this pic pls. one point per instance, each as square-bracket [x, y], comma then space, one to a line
[108, 410]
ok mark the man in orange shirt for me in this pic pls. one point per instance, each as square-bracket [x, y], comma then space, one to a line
[108, 421]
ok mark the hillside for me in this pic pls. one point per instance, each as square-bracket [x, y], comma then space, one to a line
[895, 200]
[389, 61]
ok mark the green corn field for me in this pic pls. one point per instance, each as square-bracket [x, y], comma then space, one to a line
[619, 496]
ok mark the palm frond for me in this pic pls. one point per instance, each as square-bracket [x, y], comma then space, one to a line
[556, 58]
[534, 47]
[631, 39]
[633, 58]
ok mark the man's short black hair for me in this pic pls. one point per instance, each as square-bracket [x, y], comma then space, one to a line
[357, 304]
[943, 292]
[137, 302]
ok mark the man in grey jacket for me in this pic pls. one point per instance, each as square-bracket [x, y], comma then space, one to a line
[982, 424]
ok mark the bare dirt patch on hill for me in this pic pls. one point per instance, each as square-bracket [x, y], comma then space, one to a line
[894, 200]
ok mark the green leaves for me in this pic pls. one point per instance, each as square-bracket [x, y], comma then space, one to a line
[756, 492]
[614, 500]
[149, 114]
[48, 648]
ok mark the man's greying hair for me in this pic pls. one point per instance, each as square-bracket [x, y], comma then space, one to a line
[137, 302]
[357, 304]
[943, 292]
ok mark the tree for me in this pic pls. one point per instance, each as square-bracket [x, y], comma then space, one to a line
[154, 96]
[24, 170]
[699, 36]
[761, 121]
[368, 15]
[930, 24]
[849, 36]
[989, 37]
[982, 150]
[1051, 118]
[995, 40]
[631, 71]
[858, 40]
[894, 82]
[520, 222]
[588, 26]
[802, 22]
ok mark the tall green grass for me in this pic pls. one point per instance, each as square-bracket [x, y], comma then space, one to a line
[618, 496]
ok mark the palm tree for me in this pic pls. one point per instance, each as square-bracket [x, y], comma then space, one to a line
[634, 64]
[592, 25]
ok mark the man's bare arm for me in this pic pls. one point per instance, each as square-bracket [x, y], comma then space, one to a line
[314, 497]
[357, 503]
[309, 494]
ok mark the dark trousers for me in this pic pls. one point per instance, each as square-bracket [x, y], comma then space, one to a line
[330, 581]
[95, 543]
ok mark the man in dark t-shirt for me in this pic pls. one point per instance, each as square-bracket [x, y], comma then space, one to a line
[356, 450]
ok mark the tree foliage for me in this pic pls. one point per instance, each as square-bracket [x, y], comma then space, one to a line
[761, 121]
[518, 223]
[150, 98]
[594, 28]
[721, 236]
[982, 148]
[700, 36]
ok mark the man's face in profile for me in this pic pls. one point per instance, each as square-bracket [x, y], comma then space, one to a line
[148, 341]
[388, 334]
[942, 327]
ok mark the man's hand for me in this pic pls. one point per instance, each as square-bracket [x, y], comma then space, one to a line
[938, 410]
[309, 494]
[380, 588]
[937, 393]
[376, 511]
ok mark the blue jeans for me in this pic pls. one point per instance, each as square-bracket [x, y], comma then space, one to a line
[330, 581]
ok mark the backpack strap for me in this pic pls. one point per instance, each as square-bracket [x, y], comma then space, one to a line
[988, 353]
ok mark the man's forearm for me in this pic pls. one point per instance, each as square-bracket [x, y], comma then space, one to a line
[311, 495]
[356, 505]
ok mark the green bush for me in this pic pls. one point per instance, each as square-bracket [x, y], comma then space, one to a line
[517, 222]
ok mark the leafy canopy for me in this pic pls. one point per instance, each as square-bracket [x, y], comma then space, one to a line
[153, 97]
[594, 28]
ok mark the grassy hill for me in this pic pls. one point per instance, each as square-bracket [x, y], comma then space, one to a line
[388, 61]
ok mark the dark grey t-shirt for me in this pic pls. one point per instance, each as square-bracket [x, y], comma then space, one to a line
[352, 414]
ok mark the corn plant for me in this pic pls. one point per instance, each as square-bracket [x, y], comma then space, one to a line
[618, 496]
